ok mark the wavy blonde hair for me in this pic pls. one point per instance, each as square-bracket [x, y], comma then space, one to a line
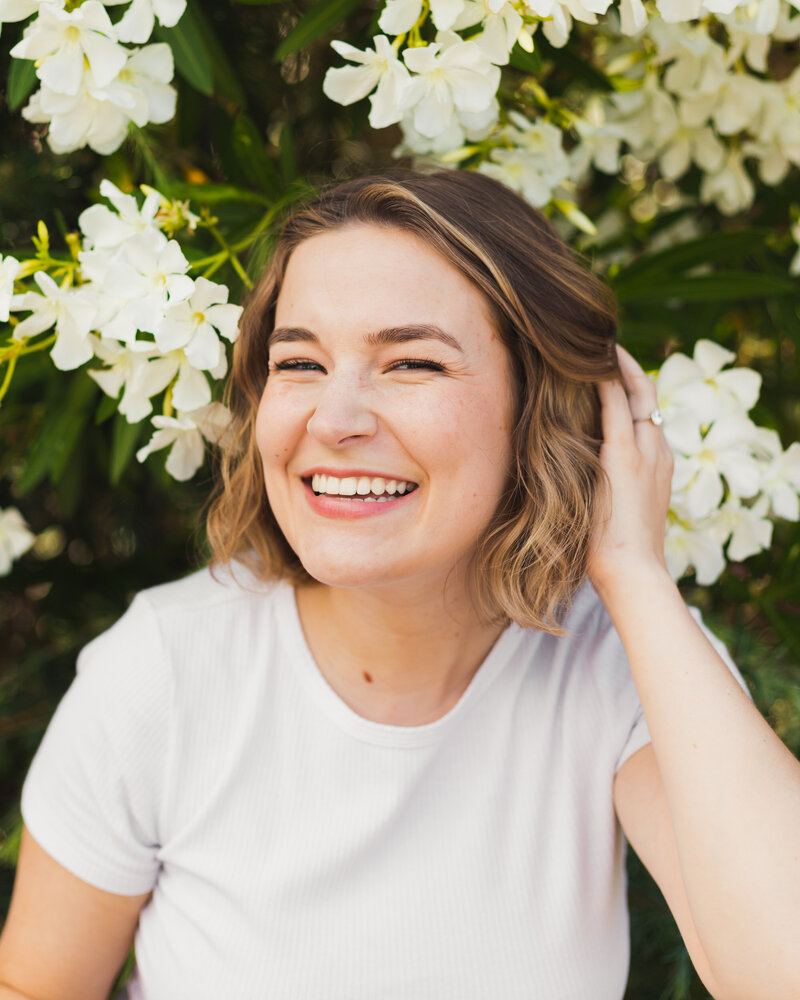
[558, 323]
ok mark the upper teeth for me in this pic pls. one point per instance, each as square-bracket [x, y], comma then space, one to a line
[350, 486]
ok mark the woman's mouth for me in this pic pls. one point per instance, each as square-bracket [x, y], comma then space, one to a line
[356, 496]
[366, 489]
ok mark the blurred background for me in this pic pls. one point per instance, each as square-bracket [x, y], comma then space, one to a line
[252, 134]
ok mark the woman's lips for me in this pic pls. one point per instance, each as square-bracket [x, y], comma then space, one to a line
[346, 507]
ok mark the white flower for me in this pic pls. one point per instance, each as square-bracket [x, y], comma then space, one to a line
[148, 73]
[633, 16]
[138, 20]
[146, 274]
[701, 461]
[450, 76]
[781, 481]
[18, 10]
[9, 268]
[679, 10]
[381, 69]
[97, 117]
[535, 165]
[69, 309]
[501, 27]
[194, 325]
[691, 545]
[400, 16]
[105, 229]
[747, 527]
[138, 368]
[731, 188]
[15, 538]
[60, 41]
[700, 388]
[599, 141]
[184, 436]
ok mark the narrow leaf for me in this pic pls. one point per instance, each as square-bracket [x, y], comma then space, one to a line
[248, 146]
[320, 19]
[67, 413]
[730, 245]
[21, 81]
[191, 57]
[731, 285]
[124, 439]
[529, 62]
[226, 81]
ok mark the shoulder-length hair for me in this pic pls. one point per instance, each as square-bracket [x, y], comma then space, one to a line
[557, 321]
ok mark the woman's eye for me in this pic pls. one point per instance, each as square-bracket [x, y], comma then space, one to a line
[412, 364]
[296, 365]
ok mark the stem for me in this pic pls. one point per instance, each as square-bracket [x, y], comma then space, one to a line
[22, 347]
[139, 140]
[237, 264]
[12, 364]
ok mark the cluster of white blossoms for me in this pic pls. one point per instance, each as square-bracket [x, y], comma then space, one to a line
[699, 101]
[92, 87]
[683, 97]
[135, 308]
[730, 476]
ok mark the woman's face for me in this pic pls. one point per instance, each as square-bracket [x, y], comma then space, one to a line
[384, 369]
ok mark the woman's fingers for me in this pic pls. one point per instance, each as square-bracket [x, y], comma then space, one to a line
[642, 400]
[616, 414]
[640, 387]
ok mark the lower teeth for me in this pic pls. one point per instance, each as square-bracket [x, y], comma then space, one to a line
[361, 499]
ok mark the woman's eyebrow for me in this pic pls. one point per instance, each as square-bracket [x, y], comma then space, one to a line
[387, 336]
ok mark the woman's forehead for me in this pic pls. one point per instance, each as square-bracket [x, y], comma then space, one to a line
[376, 277]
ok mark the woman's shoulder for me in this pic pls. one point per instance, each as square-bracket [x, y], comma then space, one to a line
[229, 587]
[202, 610]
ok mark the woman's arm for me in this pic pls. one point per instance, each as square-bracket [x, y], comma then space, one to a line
[63, 939]
[731, 787]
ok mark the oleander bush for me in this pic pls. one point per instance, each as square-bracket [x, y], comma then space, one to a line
[151, 150]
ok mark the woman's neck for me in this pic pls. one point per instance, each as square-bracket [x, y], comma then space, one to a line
[402, 658]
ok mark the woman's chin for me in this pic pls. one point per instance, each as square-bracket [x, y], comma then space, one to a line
[346, 573]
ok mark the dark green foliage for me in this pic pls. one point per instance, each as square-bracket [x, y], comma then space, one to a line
[253, 132]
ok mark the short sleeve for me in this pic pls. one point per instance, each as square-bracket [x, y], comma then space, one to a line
[639, 734]
[92, 795]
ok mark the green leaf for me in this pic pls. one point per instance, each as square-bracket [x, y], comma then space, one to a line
[21, 81]
[192, 60]
[529, 62]
[124, 439]
[106, 409]
[226, 81]
[215, 194]
[713, 248]
[575, 66]
[319, 20]
[68, 412]
[731, 285]
[258, 3]
[248, 147]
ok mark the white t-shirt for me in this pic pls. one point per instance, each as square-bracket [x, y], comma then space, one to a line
[298, 851]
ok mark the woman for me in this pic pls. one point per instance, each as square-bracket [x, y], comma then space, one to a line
[389, 745]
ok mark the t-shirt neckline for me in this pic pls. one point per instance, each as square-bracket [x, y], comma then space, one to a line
[379, 733]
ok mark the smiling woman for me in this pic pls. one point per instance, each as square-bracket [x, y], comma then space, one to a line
[418, 261]
[390, 744]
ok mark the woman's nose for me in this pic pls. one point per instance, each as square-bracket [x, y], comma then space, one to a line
[343, 412]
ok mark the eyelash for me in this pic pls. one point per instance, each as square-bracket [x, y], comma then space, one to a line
[296, 364]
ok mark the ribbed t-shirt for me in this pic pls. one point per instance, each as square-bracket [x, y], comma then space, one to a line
[298, 851]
